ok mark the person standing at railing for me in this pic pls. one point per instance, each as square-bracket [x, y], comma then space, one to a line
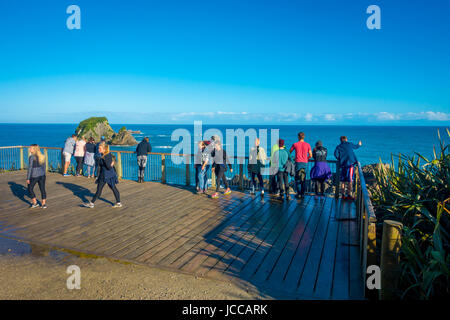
[280, 160]
[204, 162]
[198, 163]
[80, 150]
[143, 148]
[321, 170]
[346, 161]
[107, 175]
[220, 160]
[302, 155]
[273, 183]
[89, 160]
[36, 174]
[256, 161]
[69, 148]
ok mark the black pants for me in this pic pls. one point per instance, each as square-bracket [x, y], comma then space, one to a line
[41, 182]
[100, 186]
[283, 182]
[220, 175]
[319, 185]
[260, 179]
[79, 161]
[197, 167]
[273, 183]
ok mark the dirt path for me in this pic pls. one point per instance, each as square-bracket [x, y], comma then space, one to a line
[30, 272]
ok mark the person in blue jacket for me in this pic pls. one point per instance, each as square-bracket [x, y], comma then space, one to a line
[142, 150]
[346, 160]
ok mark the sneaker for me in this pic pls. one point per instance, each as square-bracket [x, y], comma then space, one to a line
[44, 206]
[36, 205]
[66, 175]
[262, 192]
[117, 205]
[215, 195]
[227, 192]
[252, 192]
[88, 205]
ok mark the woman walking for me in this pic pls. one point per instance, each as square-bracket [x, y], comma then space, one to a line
[107, 175]
[36, 174]
[221, 161]
[321, 171]
[89, 159]
[257, 160]
[80, 150]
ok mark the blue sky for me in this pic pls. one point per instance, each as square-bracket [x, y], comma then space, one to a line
[226, 61]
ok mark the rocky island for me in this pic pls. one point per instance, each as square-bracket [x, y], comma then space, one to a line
[97, 127]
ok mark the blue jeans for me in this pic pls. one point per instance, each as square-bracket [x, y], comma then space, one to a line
[203, 178]
[300, 181]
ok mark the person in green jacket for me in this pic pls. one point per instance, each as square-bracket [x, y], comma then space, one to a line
[273, 186]
[280, 158]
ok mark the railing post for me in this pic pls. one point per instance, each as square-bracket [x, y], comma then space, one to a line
[390, 247]
[188, 171]
[119, 164]
[241, 176]
[62, 161]
[46, 159]
[163, 168]
[21, 158]
[337, 185]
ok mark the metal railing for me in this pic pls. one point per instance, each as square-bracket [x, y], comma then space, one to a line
[367, 220]
[160, 167]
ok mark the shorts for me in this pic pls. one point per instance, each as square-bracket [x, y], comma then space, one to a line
[67, 156]
[347, 174]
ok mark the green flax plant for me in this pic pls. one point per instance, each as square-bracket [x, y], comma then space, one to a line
[416, 192]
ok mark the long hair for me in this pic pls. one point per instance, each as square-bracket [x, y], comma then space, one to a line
[105, 148]
[36, 151]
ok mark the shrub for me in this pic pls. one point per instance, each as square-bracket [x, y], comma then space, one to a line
[416, 192]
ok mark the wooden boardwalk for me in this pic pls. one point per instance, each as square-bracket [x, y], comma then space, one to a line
[287, 250]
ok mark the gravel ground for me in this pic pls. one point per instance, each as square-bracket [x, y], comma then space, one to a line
[44, 277]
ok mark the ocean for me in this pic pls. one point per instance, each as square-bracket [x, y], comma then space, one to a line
[379, 142]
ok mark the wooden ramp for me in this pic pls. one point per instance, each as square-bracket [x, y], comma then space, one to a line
[305, 249]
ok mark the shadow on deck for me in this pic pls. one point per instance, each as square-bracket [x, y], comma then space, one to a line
[306, 249]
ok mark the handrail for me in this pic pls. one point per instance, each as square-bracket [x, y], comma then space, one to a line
[367, 224]
[240, 178]
[150, 153]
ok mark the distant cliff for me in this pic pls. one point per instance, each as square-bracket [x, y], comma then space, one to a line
[97, 127]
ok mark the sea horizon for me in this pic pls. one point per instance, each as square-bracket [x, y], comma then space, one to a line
[379, 141]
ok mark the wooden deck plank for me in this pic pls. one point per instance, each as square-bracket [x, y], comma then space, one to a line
[307, 279]
[285, 249]
[342, 261]
[324, 280]
[282, 230]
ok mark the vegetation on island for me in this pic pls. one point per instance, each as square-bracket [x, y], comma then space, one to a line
[416, 192]
[96, 127]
